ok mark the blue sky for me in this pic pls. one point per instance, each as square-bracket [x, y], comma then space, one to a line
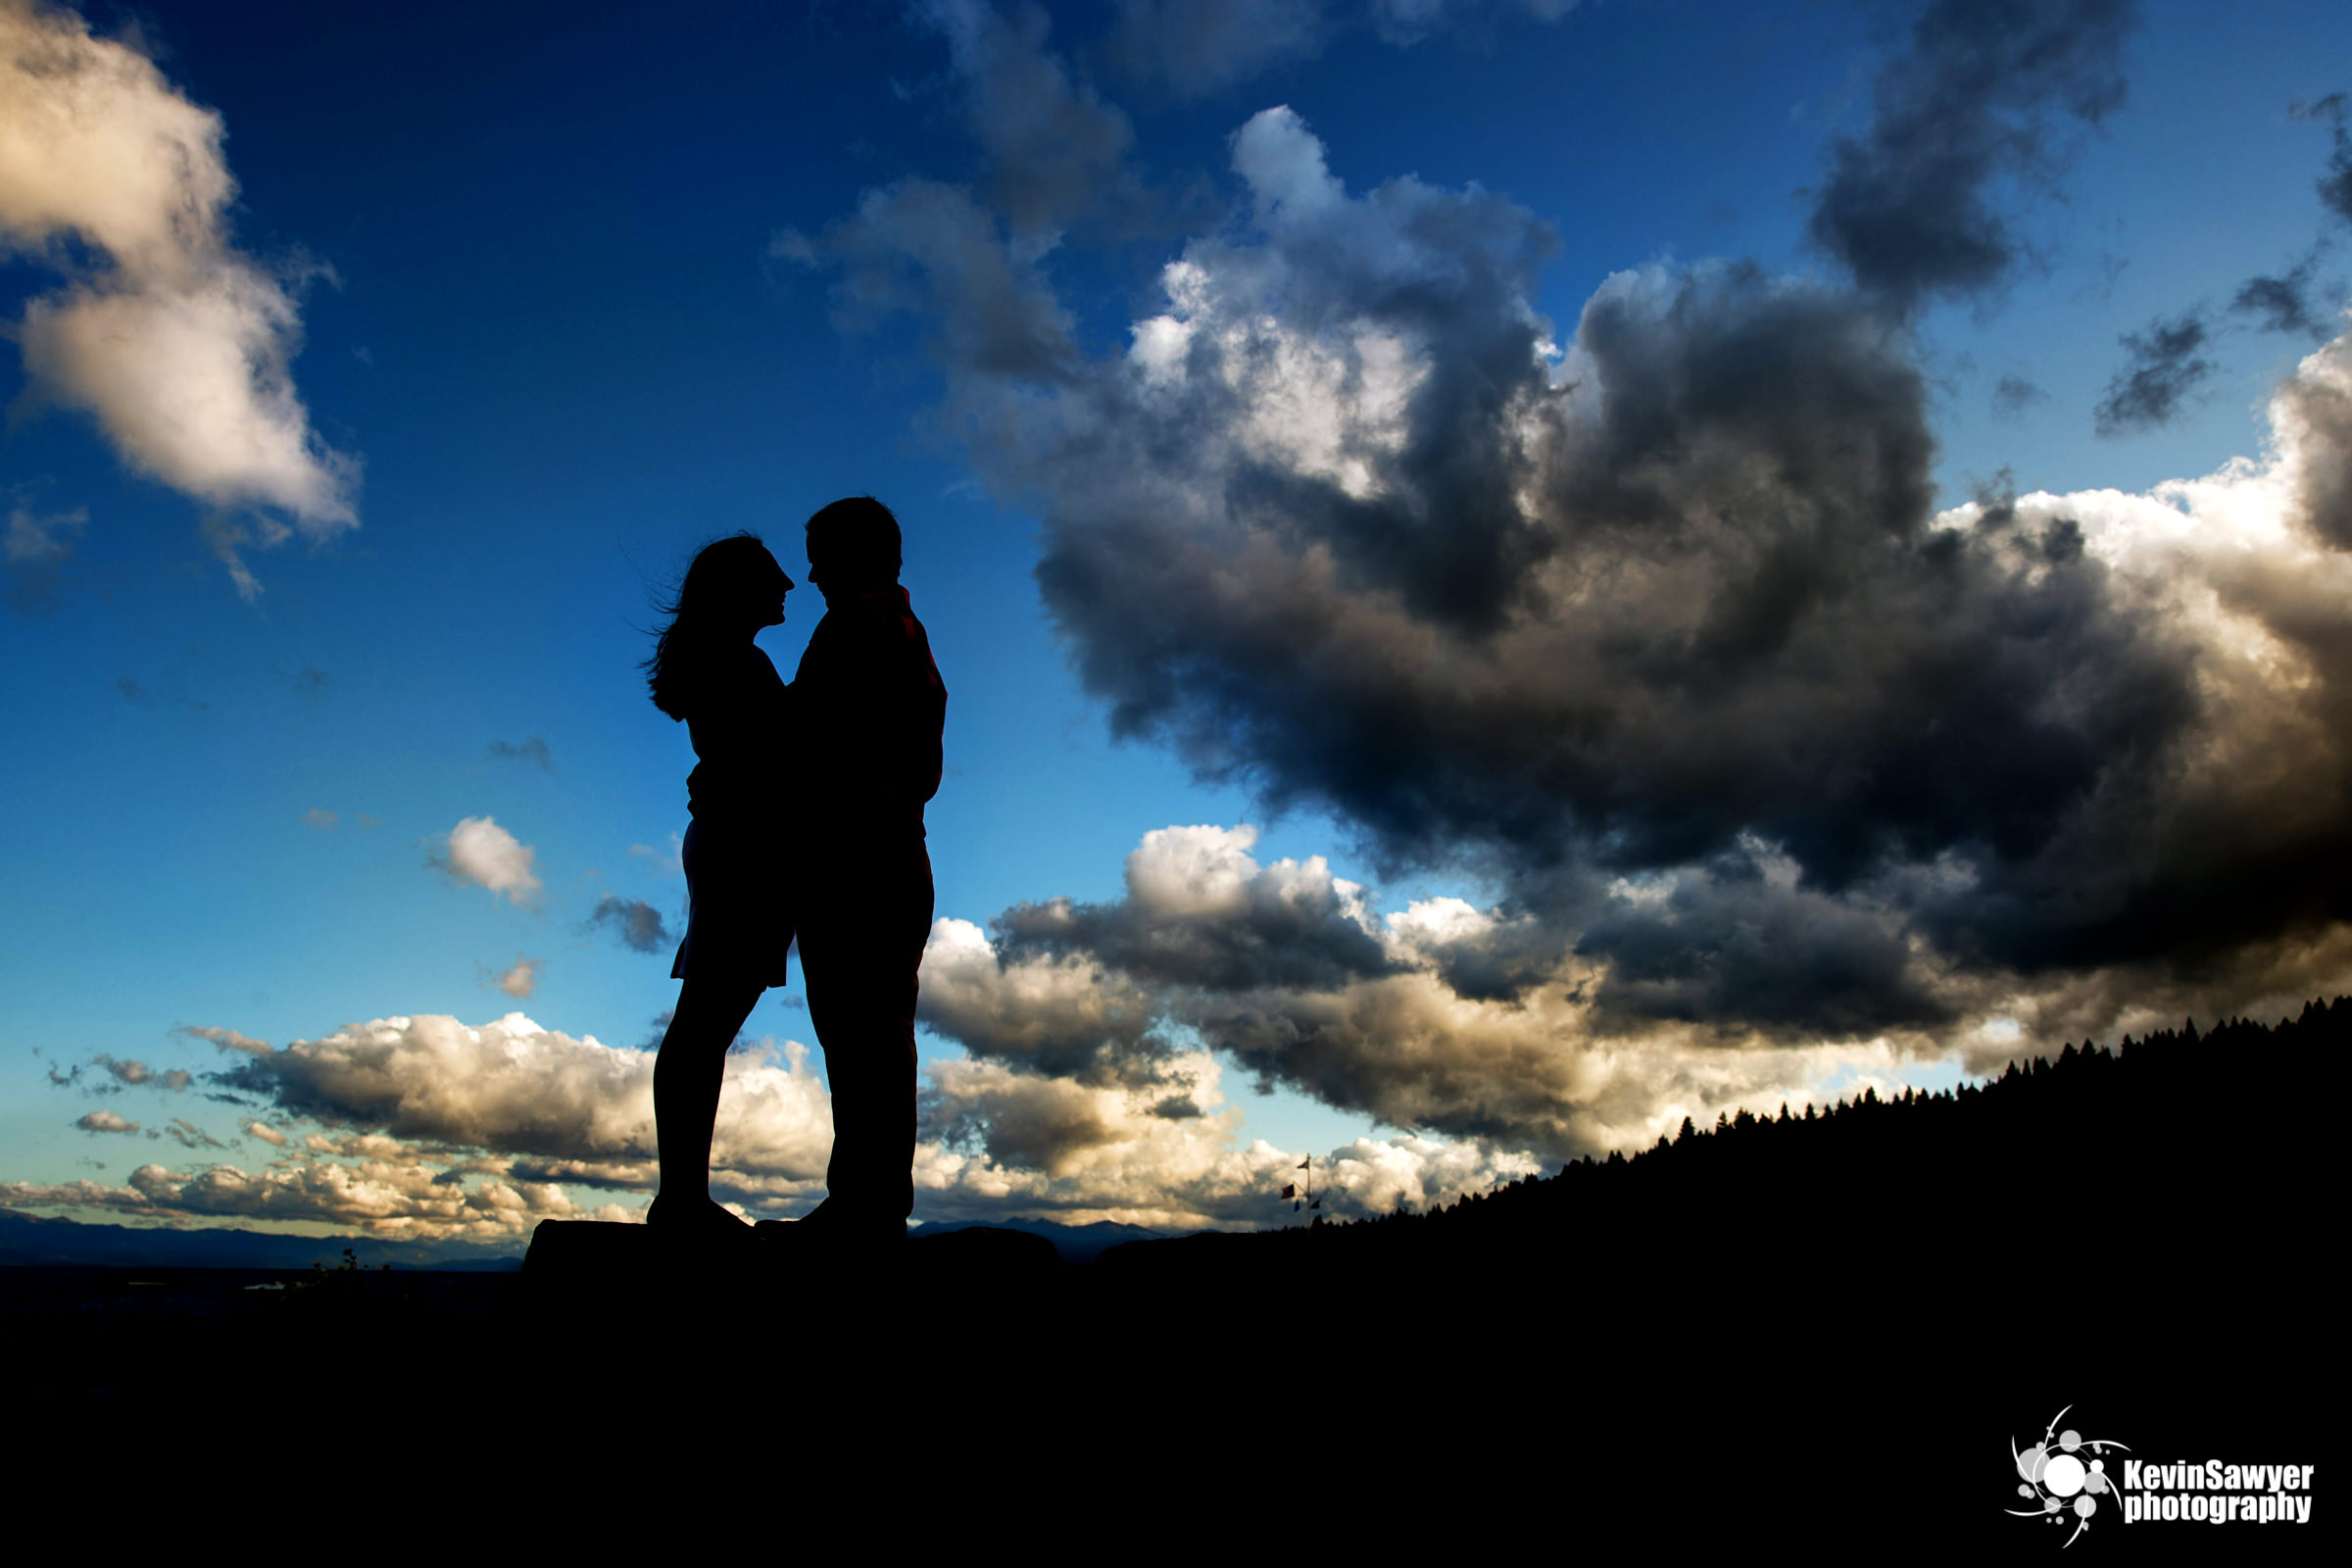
[521, 305]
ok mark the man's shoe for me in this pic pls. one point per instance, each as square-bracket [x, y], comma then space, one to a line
[703, 1218]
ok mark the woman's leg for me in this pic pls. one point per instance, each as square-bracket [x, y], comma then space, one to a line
[686, 1080]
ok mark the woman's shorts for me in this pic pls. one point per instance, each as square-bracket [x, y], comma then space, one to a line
[738, 911]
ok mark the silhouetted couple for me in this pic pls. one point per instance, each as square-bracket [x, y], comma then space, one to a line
[807, 820]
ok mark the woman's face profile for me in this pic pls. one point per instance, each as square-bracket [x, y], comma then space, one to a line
[779, 586]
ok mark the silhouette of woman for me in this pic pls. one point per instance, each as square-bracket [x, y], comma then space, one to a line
[707, 670]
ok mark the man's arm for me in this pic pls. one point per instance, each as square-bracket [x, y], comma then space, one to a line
[872, 707]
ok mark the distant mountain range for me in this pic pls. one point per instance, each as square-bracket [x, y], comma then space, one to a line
[1077, 1244]
[28, 1241]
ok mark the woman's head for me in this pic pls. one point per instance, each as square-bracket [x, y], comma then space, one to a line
[732, 589]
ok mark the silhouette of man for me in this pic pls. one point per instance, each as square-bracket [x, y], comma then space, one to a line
[870, 711]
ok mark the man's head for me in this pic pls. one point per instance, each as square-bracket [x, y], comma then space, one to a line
[853, 546]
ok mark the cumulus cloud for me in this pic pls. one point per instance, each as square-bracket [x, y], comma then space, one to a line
[2164, 366]
[105, 1121]
[177, 344]
[519, 978]
[479, 850]
[1914, 206]
[1002, 1141]
[530, 1093]
[430, 1128]
[1475, 1027]
[392, 1199]
[1655, 633]
[637, 923]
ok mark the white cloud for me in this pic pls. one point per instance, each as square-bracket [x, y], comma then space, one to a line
[226, 1038]
[521, 978]
[1467, 1028]
[479, 850]
[105, 1121]
[1060, 1015]
[1282, 162]
[1193, 871]
[512, 1089]
[402, 1199]
[429, 1128]
[1012, 1142]
[180, 347]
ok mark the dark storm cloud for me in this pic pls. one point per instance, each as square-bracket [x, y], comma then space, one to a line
[2334, 184]
[1023, 1121]
[1971, 100]
[1711, 607]
[1681, 595]
[2163, 366]
[1729, 942]
[2282, 304]
[1269, 939]
[636, 922]
[1657, 633]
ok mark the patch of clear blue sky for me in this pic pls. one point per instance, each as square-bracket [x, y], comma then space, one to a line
[552, 335]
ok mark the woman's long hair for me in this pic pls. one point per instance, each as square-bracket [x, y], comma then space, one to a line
[722, 573]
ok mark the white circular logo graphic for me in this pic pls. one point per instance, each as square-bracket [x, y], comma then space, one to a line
[2054, 1471]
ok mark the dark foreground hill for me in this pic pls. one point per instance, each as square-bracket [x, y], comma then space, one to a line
[1818, 1336]
[31, 1241]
